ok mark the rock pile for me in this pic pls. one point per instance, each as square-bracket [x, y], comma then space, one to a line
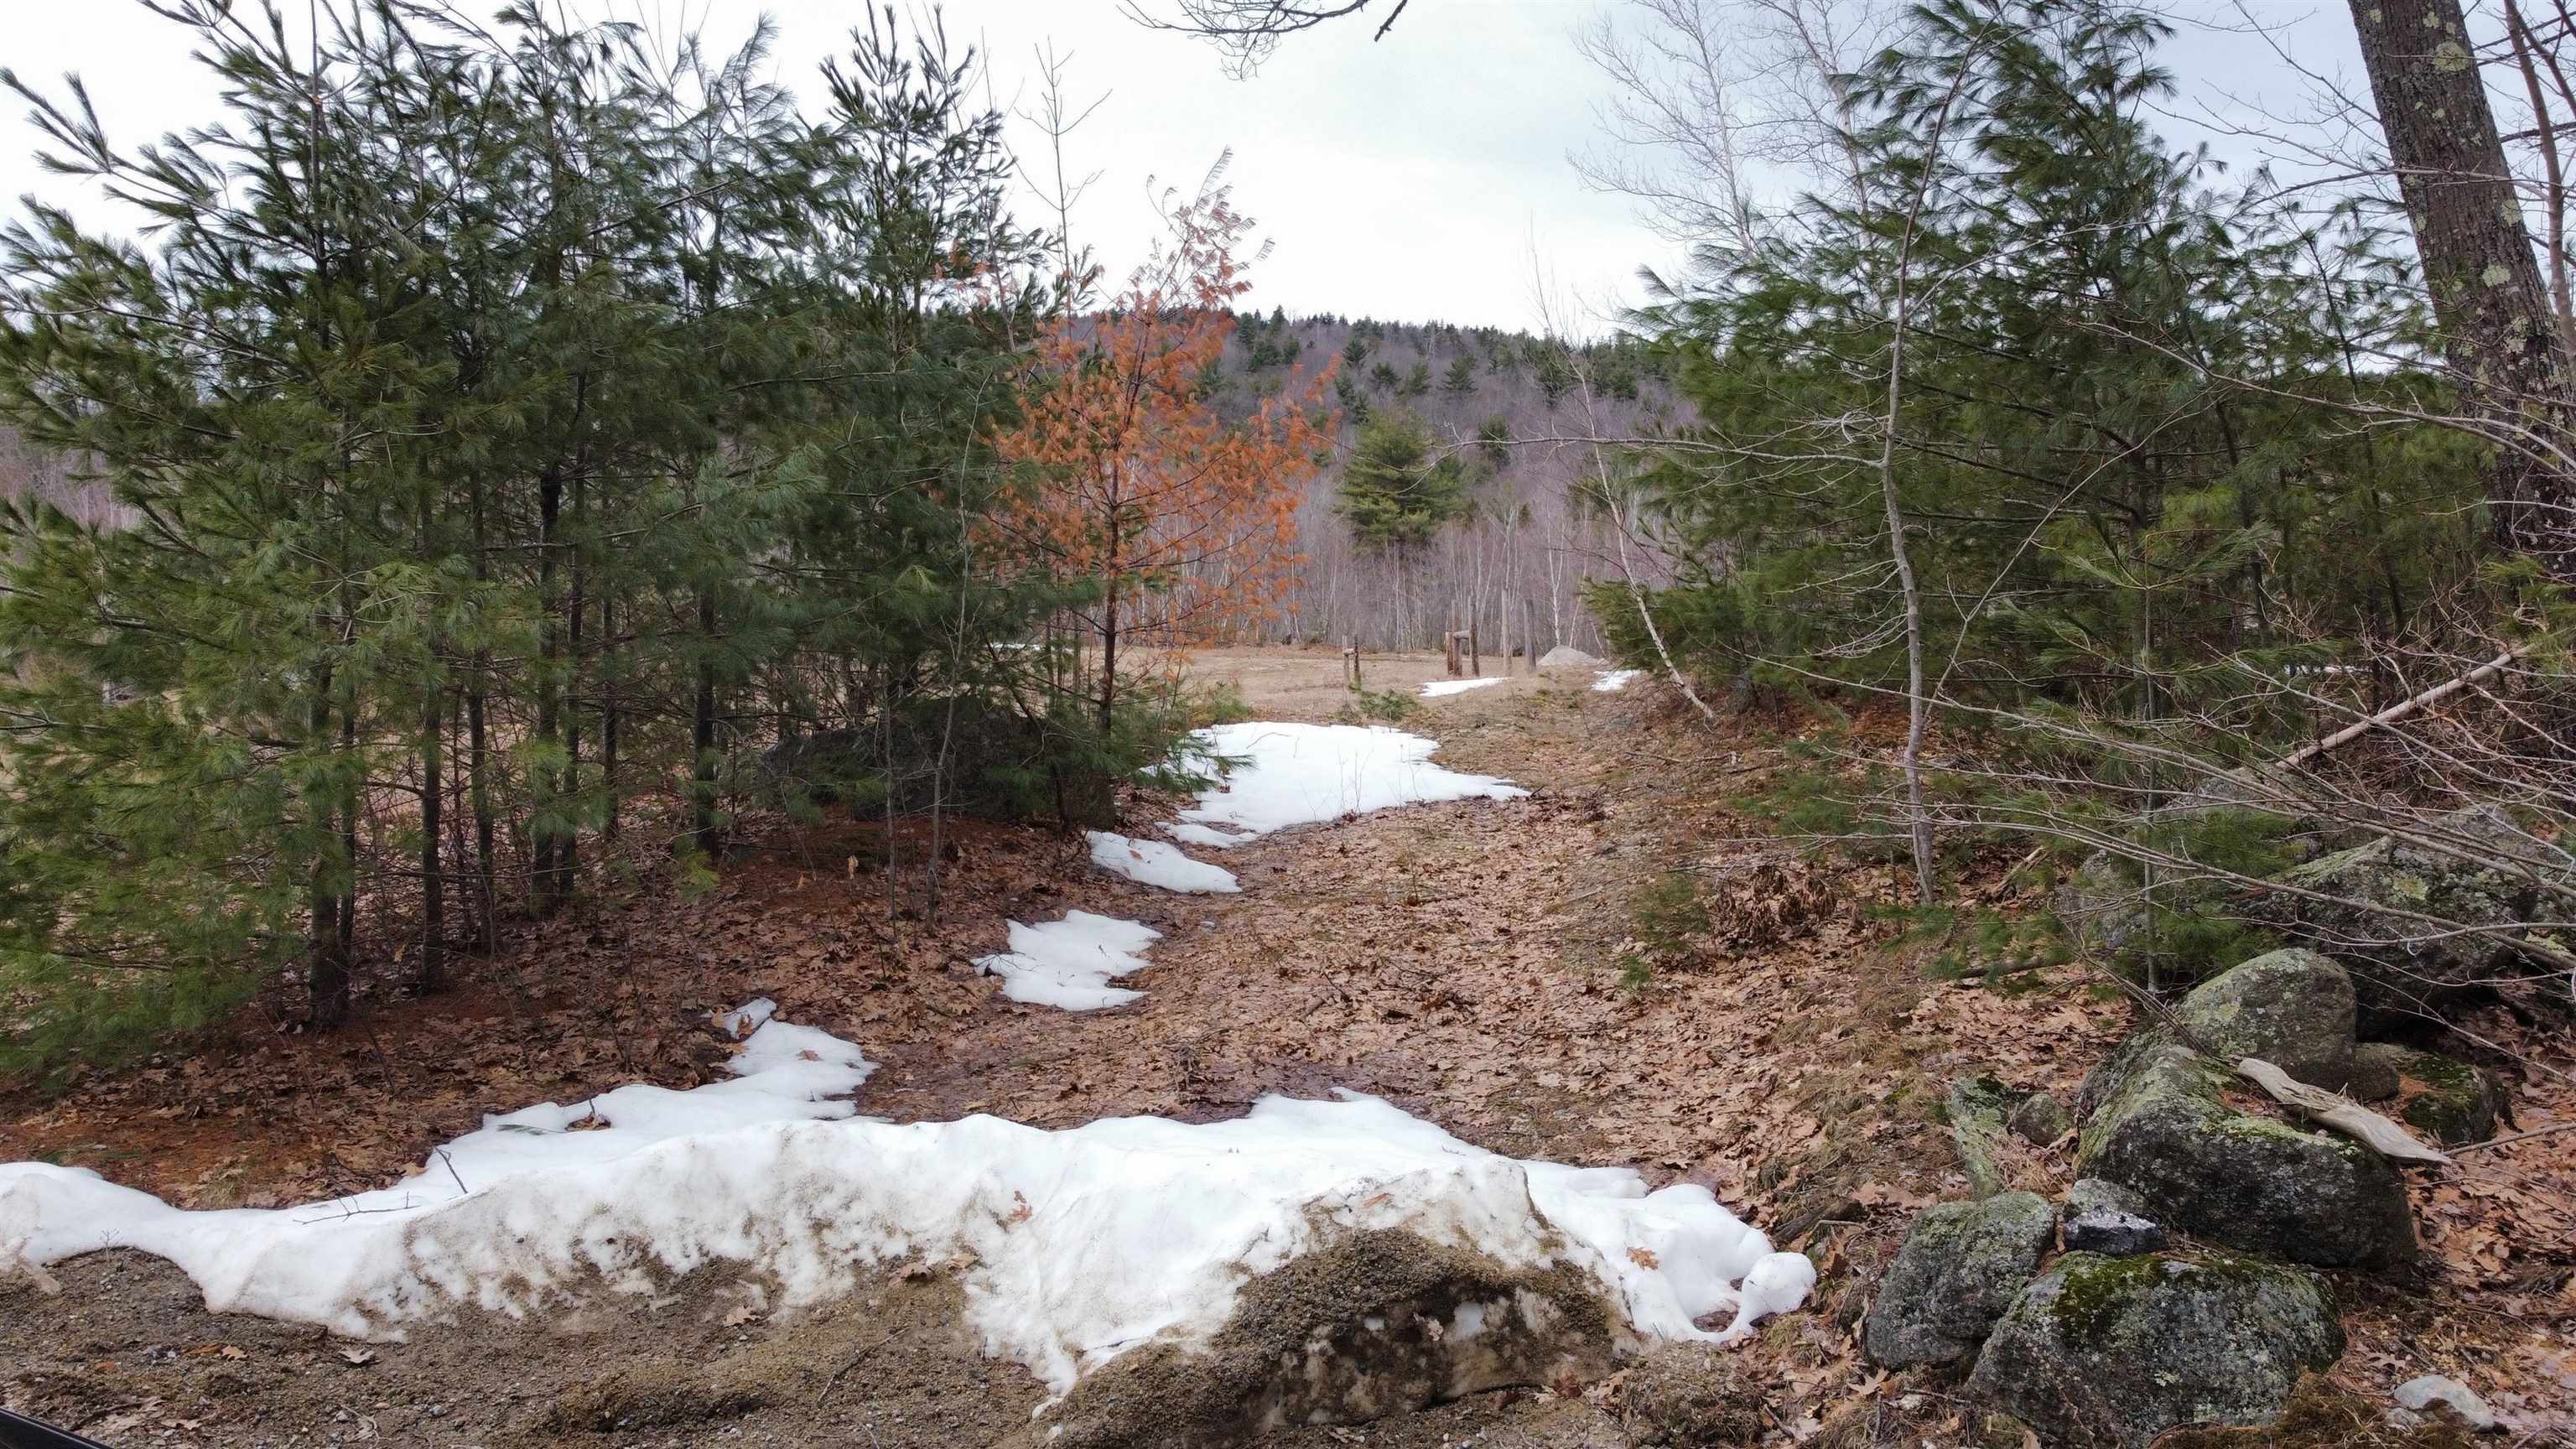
[2123, 1337]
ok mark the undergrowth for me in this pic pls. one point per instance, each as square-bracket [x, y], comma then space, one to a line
[1379, 706]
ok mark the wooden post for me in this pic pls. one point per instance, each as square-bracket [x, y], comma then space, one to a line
[1351, 661]
[1457, 662]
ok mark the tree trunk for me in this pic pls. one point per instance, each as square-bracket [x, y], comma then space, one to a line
[608, 711]
[326, 971]
[543, 830]
[349, 834]
[2478, 265]
[569, 792]
[431, 974]
[702, 735]
[478, 758]
[1109, 655]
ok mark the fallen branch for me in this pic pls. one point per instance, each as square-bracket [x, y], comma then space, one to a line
[2341, 1113]
[2394, 712]
[2520, 1137]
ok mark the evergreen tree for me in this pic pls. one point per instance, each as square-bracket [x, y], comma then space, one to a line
[2101, 506]
[528, 431]
[1396, 490]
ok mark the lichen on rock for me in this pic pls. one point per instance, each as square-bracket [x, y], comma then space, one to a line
[2293, 1008]
[1958, 1270]
[2455, 1103]
[2253, 1183]
[2121, 1350]
[2474, 872]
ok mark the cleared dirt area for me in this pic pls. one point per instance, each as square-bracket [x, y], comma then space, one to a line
[1494, 967]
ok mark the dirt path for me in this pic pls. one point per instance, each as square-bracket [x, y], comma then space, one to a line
[1457, 959]
[1494, 967]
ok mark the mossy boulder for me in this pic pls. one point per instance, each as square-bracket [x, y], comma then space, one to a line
[2293, 1008]
[2105, 903]
[2106, 1079]
[2474, 870]
[2038, 1120]
[2374, 1071]
[1960, 1266]
[2120, 1350]
[2255, 1183]
[2453, 1103]
[1978, 1108]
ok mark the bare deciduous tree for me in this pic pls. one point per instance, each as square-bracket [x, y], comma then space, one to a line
[1248, 30]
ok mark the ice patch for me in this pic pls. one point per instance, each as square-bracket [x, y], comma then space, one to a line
[1155, 863]
[1073, 1247]
[1611, 681]
[1443, 688]
[1068, 963]
[1302, 774]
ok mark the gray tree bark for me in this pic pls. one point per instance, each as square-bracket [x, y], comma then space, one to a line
[2484, 281]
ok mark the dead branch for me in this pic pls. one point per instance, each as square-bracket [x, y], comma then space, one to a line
[2332, 1109]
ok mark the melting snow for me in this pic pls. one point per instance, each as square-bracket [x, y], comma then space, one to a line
[1302, 774]
[1068, 963]
[1083, 1244]
[1611, 681]
[1441, 688]
[1158, 863]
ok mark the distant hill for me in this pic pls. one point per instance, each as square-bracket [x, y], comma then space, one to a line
[1493, 398]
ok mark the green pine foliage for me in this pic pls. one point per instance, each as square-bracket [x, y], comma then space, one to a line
[523, 431]
[1397, 488]
[2101, 513]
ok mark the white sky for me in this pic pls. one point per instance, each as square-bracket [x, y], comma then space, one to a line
[1424, 177]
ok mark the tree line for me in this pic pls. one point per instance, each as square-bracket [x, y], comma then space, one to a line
[526, 448]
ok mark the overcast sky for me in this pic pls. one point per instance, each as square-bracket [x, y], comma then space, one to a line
[1424, 177]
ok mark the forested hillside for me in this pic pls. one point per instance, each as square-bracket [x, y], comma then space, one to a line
[1466, 489]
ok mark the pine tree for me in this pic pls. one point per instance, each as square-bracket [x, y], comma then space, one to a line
[1397, 491]
[524, 429]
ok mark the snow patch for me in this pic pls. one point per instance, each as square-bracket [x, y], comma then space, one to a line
[1303, 774]
[1566, 656]
[1443, 688]
[1069, 963]
[1611, 681]
[1073, 1247]
[343, 1260]
[1158, 863]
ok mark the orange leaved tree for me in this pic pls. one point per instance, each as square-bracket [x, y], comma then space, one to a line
[1180, 522]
